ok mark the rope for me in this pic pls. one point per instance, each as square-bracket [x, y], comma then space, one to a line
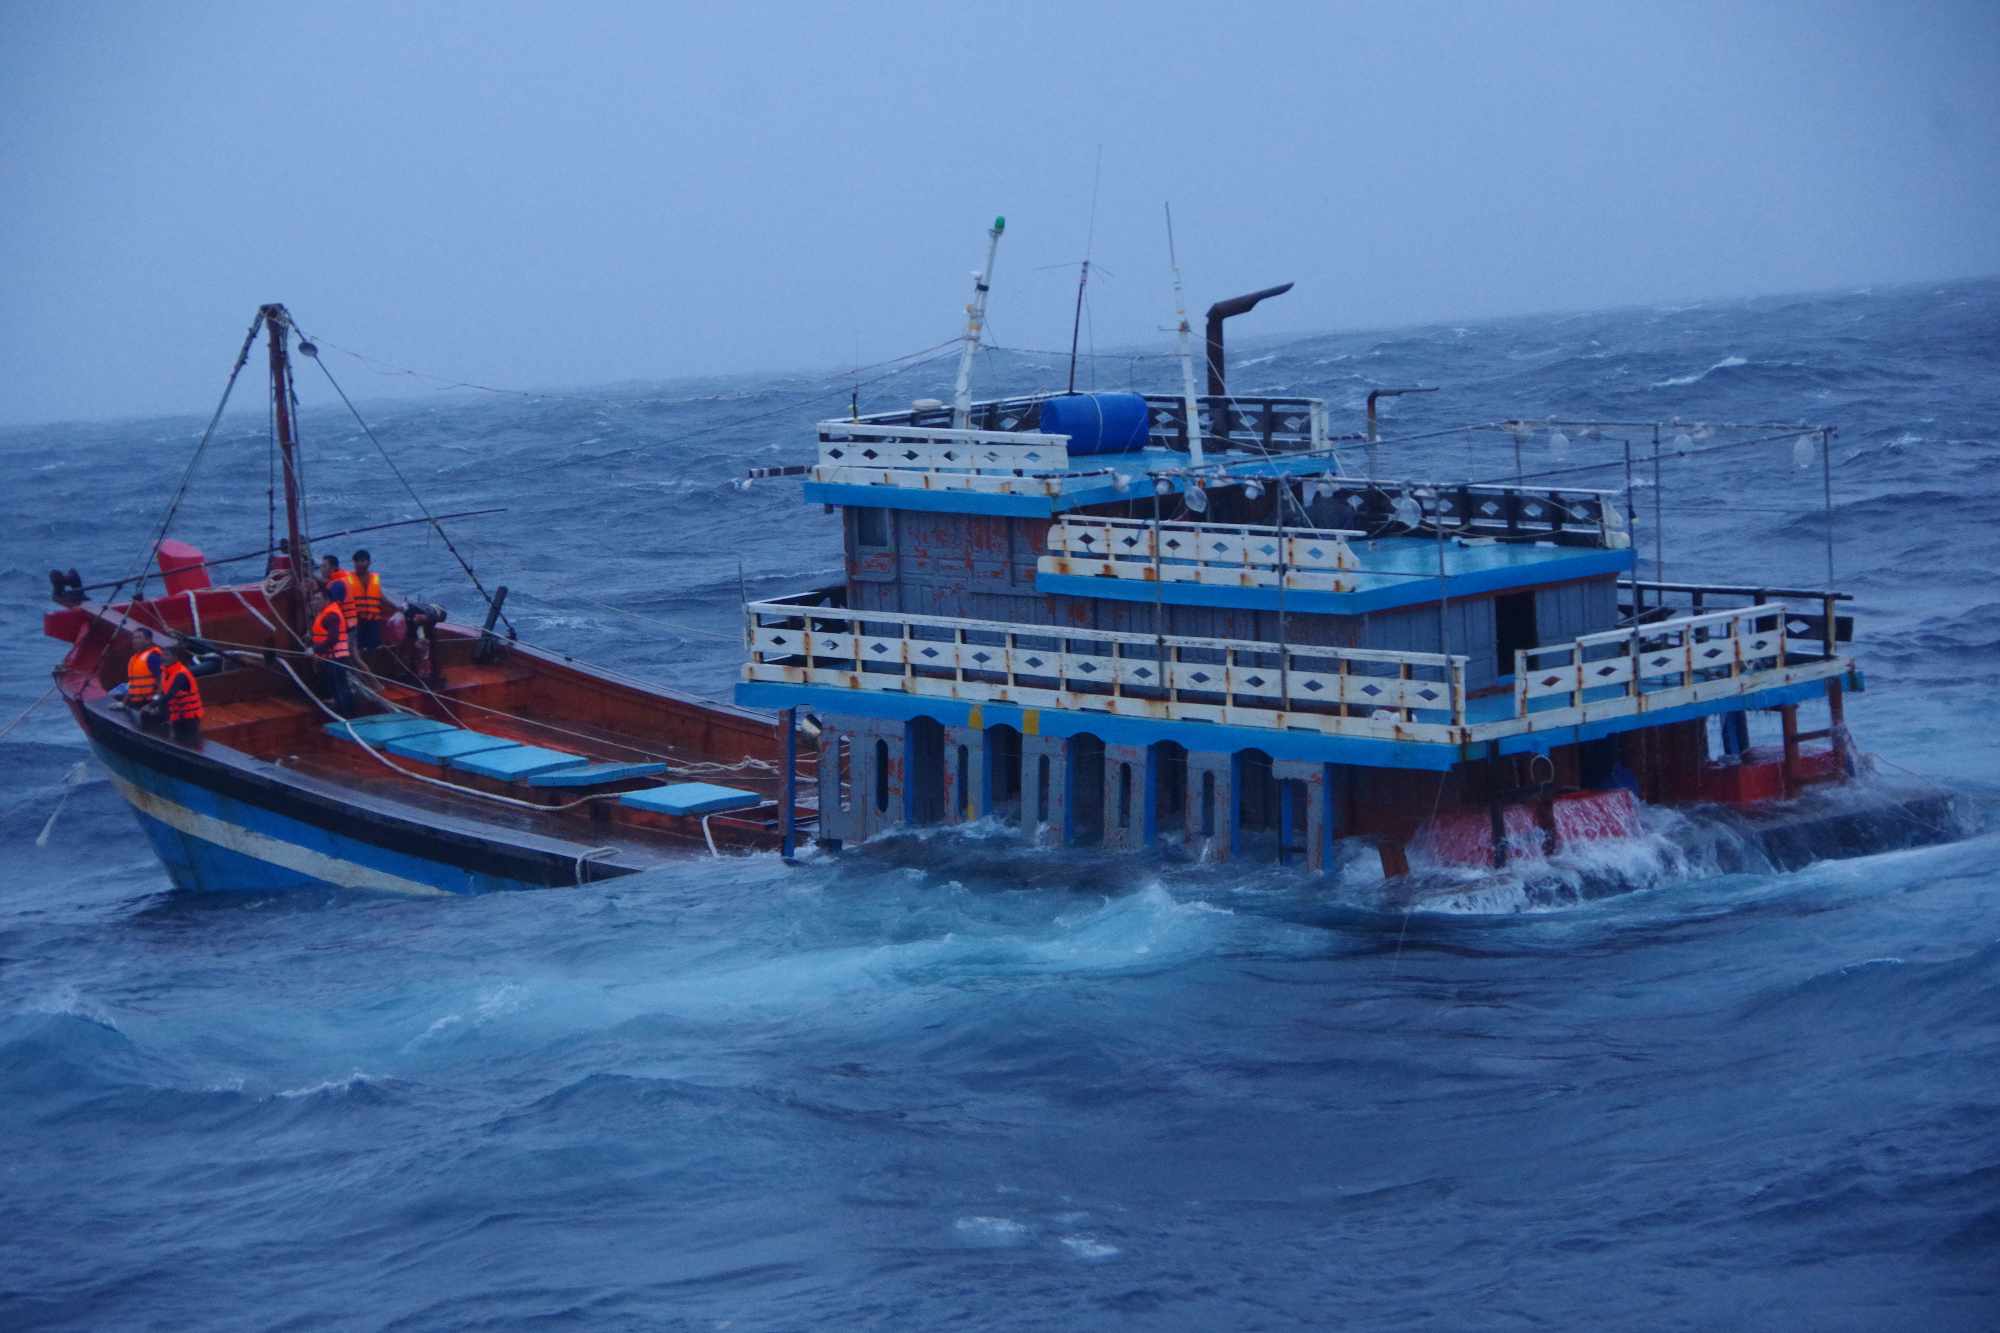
[187, 473]
[5, 731]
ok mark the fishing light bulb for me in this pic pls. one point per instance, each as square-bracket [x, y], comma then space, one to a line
[1407, 512]
[1163, 487]
[1197, 500]
[1682, 443]
[1559, 445]
[1613, 519]
[1253, 490]
[1803, 451]
[1120, 482]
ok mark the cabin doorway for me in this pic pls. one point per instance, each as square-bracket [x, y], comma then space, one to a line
[1086, 791]
[1513, 629]
[923, 771]
[1257, 809]
[1167, 764]
[1003, 773]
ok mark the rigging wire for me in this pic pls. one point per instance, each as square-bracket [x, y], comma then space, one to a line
[436, 526]
[187, 473]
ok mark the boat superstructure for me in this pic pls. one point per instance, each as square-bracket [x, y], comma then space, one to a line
[1126, 619]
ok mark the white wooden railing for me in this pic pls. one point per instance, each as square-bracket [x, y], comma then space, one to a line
[1219, 554]
[938, 457]
[1345, 691]
[1657, 665]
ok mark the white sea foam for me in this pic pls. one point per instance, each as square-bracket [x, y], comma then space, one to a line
[991, 1230]
[1089, 1248]
[333, 1087]
[1727, 363]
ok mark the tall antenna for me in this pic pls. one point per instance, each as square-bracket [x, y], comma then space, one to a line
[975, 321]
[1083, 274]
[1189, 403]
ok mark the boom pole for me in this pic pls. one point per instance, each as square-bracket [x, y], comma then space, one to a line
[279, 321]
[1190, 403]
[975, 322]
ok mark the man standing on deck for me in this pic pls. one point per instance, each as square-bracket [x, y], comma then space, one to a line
[331, 573]
[330, 645]
[180, 696]
[370, 607]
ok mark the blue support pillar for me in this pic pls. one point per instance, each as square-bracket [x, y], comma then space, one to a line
[1331, 791]
[1233, 817]
[1150, 822]
[1285, 821]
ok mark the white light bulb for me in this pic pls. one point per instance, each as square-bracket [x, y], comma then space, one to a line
[1253, 490]
[1163, 487]
[1197, 500]
[1559, 445]
[1682, 444]
[1803, 451]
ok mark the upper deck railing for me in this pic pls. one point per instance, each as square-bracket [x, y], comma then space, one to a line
[1416, 697]
[1347, 691]
[1229, 555]
[918, 446]
[1565, 514]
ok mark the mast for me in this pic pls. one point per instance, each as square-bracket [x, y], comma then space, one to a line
[975, 320]
[279, 321]
[1189, 402]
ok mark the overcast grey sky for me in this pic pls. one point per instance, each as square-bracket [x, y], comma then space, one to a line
[542, 195]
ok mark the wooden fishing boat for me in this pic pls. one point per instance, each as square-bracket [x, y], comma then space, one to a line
[501, 766]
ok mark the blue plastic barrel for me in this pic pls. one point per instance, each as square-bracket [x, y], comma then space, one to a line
[1097, 423]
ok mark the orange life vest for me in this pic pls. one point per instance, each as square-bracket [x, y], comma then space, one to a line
[142, 676]
[365, 592]
[344, 577]
[185, 706]
[329, 631]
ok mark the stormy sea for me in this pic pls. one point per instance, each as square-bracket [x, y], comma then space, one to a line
[955, 1080]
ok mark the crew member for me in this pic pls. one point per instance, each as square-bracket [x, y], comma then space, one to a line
[180, 696]
[370, 607]
[329, 644]
[142, 672]
[331, 573]
[420, 622]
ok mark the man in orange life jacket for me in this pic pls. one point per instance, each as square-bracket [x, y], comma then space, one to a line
[331, 573]
[180, 696]
[142, 672]
[330, 645]
[370, 607]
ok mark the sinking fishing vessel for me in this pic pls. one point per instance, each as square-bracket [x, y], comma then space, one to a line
[1130, 619]
[1116, 620]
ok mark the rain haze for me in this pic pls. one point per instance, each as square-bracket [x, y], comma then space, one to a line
[536, 197]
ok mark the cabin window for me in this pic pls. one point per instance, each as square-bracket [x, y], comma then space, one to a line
[1513, 628]
[871, 527]
[881, 777]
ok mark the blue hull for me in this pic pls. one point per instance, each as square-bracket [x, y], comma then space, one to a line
[224, 823]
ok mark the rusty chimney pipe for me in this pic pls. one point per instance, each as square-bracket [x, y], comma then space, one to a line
[1221, 310]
